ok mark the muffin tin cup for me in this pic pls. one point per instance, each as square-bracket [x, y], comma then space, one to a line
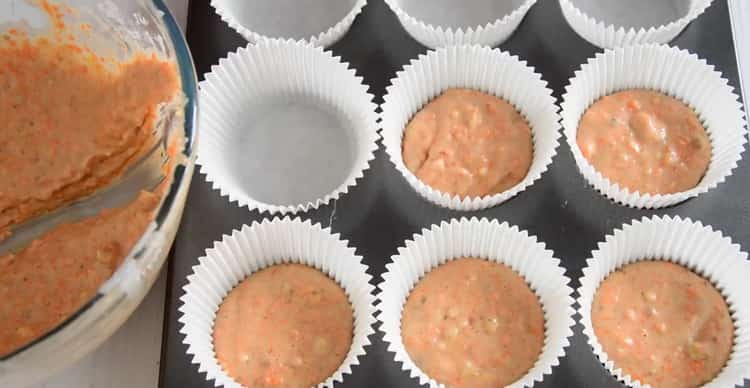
[492, 241]
[259, 246]
[691, 244]
[606, 35]
[287, 127]
[676, 73]
[480, 68]
[489, 34]
[236, 13]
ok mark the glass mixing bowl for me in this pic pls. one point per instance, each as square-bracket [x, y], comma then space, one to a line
[118, 28]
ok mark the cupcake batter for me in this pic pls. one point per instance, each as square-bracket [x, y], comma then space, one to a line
[646, 142]
[663, 324]
[468, 144]
[473, 323]
[57, 274]
[74, 122]
[285, 326]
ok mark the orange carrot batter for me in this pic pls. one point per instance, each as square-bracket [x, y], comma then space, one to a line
[663, 324]
[72, 127]
[58, 273]
[468, 143]
[285, 326]
[646, 142]
[473, 323]
[72, 122]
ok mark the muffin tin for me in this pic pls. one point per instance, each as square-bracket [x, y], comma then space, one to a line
[383, 211]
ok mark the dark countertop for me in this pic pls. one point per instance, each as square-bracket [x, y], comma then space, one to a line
[383, 211]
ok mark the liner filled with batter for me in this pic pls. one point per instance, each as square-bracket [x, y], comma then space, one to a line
[468, 144]
[485, 245]
[468, 76]
[675, 73]
[262, 253]
[473, 323]
[712, 261]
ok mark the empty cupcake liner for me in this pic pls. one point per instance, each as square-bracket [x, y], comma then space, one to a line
[676, 73]
[286, 127]
[259, 246]
[606, 35]
[481, 68]
[691, 244]
[489, 240]
[288, 19]
[490, 34]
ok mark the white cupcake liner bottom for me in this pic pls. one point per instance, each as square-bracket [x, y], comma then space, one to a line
[489, 240]
[693, 245]
[253, 248]
[676, 73]
[286, 126]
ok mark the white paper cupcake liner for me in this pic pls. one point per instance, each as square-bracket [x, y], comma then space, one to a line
[266, 91]
[489, 240]
[259, 246]
[606, 35]
[676, 73]
[693, 245]
[299, 30]
[488, 70]
[490, 34]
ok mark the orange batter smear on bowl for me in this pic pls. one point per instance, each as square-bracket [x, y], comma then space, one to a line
[72, 121]
[57, 274]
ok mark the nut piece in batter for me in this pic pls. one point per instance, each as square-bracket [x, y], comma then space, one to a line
[663, 324]
[285, 326]
[473, 323]
[645, 141]
[468, 144]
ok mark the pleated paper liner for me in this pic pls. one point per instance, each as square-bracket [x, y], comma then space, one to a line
[321, 22]
[480, 68]
[259, 246]
[699, 248]
[629, 28]
[488, 240]
[441, 23]
[286, 127]
[676, 73]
